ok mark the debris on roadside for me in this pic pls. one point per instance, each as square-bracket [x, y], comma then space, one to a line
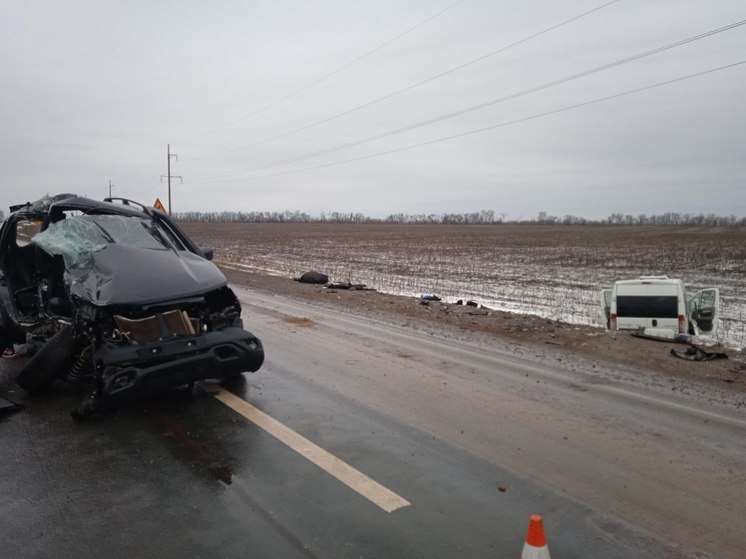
[477, 312]
[349, 286]
[694, 353]
[464, 307]
[313, 277]
[454, 309]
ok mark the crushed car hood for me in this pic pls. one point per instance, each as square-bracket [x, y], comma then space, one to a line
[121, 275]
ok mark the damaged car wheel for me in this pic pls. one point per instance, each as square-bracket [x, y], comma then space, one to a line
[50, 362]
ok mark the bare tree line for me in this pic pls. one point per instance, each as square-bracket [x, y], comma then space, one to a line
[664, 219]
[672, 218]
[481, 217]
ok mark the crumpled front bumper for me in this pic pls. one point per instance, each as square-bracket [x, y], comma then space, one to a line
[138, 370]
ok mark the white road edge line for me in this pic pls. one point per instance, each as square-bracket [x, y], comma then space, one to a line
[352, 478]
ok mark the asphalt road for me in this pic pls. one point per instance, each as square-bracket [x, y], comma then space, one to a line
[364, 439]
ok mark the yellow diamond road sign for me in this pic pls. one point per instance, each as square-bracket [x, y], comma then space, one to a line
[158, 205]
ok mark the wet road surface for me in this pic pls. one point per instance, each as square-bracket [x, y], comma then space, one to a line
[472, 439]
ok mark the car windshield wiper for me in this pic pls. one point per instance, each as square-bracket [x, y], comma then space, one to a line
[156, 233]
[104, 232]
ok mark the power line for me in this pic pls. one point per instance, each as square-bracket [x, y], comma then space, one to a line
[486, 104]
[418, 84]
[341, 68]
[500, 125]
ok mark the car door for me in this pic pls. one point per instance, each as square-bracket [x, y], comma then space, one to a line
[606, 306]
[703, 309]
[18, 293]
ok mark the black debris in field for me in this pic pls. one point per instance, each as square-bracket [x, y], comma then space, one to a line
[350, 286]
[313, 277]
[694, 353]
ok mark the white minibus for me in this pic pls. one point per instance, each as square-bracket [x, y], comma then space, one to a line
[660, 302]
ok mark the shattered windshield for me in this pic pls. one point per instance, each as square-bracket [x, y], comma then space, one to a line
[76, 238]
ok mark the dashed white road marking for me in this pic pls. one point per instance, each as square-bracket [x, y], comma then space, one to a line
[352, 478]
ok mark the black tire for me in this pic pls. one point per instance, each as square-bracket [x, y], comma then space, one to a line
[50, 362]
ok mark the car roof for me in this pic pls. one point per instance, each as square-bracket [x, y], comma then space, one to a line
[88, 206]
[71, 202]
[642, 281]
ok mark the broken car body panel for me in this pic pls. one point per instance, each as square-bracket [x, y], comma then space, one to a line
[146, 309]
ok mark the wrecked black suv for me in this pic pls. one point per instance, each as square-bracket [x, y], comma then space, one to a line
[121, 298]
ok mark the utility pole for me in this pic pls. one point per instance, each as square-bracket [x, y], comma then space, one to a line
[110, 187]
[169, 155]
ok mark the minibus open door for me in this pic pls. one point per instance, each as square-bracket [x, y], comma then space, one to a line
[703, 309]
[606, 306]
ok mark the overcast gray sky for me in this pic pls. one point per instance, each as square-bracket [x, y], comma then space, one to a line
[93, 91]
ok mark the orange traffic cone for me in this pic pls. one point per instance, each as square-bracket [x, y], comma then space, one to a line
[536, 542]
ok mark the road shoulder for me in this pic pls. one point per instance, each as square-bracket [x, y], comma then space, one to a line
[591, 346]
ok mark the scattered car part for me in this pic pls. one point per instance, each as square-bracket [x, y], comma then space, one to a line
[313, 277]
[694, 353]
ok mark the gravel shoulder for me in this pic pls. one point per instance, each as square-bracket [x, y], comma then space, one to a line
[595, 347]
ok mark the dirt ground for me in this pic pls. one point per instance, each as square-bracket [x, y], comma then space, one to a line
[594, 343]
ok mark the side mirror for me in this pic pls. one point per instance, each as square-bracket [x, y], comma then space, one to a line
[207, 252]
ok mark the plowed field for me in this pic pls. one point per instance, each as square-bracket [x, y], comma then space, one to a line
[554, 272]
